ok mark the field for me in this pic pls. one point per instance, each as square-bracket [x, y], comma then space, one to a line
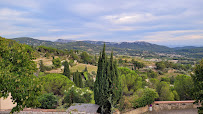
[80, 67]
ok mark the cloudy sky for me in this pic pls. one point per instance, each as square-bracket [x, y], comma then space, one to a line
[165, 22]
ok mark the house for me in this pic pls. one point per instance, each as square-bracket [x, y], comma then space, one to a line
[82, 108]
[6, 104]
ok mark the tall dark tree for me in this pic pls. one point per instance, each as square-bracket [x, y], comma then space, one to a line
[198, 84]
[107, 87]
[41, 66]
[80, 80]
[85, 70]
[137, 65]
[66, 71]
[77, 79]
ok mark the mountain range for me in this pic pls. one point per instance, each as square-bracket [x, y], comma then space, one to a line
[131, 48]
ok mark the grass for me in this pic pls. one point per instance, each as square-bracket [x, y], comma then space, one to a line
[129, 58]
[80, 67]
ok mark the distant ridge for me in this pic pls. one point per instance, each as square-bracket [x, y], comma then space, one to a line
[64, 40]
[138, 45]
[122, 48]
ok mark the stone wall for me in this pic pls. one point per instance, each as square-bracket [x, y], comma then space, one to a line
[6, 103]
[173, 105]
[138, 110]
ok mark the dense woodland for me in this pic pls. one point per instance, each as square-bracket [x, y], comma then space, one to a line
[43, 76]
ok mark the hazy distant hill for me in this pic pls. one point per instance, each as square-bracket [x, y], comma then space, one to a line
[64, 41]
[143, 46]
[32, 41]
[123, 48]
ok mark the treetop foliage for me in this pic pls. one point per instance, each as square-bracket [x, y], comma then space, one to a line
[55, 83]
[198, 84]
[16, 74]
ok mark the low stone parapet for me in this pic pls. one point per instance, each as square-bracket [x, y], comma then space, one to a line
[173, 105]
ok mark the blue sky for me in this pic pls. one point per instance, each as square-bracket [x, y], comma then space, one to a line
[165, 22]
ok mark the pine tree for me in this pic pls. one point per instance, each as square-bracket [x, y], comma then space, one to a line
[107, 87]
[66, 71]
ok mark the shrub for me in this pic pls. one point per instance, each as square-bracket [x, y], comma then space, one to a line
[78, 95]
[125, 103]
[48, 101]
[48, 68]
[57, 62]
[147, 98]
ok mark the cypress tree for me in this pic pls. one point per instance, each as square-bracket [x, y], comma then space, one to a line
[85, 70]
[66, 71]
[80, 80]
[41, 67]
[107, 87]
[77, 79]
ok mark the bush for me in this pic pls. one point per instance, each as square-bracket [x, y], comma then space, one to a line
[48, 68]
[148, 96]
[78, 95]
[48, 101]
[152, 74]
[125, 103]
[57, 62]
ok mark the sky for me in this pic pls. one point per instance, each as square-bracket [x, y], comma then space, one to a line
[163, 22]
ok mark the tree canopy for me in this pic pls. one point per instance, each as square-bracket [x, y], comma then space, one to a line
[198, 84]
[183, 85]
[16, 74]
[55, 83]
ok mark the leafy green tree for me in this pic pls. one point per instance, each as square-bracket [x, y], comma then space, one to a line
[183, 85]
[198, 84]
[107, 87]
[164, 91]
[85, 57]
[55, 83]
[147, 97]
[138, 65]
[41, 66]
[176, 96]
[66, 71]
[129, 80]
[166, 79]
[160, 66]
[73, 55]
[16, 74]
[152, 74]
[48, 101]
[154, 83]
[57, 62]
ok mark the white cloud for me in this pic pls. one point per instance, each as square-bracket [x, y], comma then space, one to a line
[71, 36]
[173, 36]
[129, 18]
[56, 30]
